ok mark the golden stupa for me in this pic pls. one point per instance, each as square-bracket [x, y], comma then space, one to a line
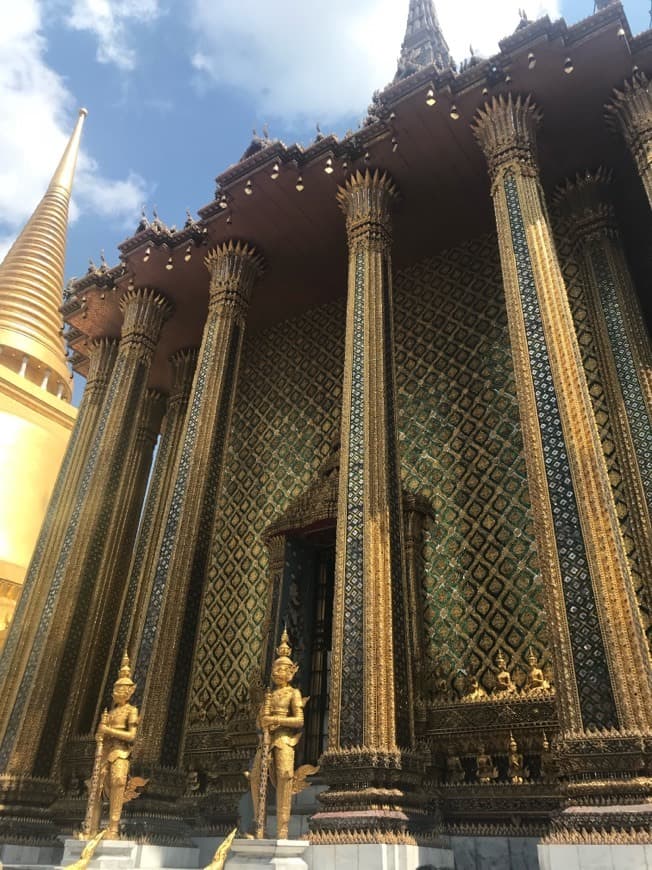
[35, 382]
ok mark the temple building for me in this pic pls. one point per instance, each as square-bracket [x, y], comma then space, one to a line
[36, 417]
[401, 384]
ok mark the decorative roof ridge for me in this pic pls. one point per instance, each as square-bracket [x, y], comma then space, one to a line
[395, 91]
[613, 14]
[641, 41]
[260, 158]
[526, 34]
[161, 238]
[73, 333]
[95, 278]
[352, 146]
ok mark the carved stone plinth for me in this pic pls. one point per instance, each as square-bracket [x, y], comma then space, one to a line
[279, 854]
[372, 794]
[26, 816]
[157, 815]
[218, 758]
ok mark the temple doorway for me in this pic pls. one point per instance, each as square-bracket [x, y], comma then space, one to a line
[301, 552]
[306, 608]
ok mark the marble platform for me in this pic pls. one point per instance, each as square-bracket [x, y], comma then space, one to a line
[495, 853]
[570, 856]
[129, 855]
[377, 856]
[275, 854]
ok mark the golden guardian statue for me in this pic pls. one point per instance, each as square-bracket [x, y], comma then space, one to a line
[115, 738]
[280, 720]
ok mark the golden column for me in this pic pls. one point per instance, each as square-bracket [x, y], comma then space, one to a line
[143, 563]
[106, 606]
[31, 733]
[631, 110]
[602, 663]
[102, 353]
[622, 344]
[165, 654]
[371, 709]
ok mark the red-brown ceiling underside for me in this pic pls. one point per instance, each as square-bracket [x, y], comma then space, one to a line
[441, 175]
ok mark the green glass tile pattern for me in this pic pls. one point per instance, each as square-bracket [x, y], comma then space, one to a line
[460, 445]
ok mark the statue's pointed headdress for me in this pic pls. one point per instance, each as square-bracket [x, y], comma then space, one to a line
[124, 676]
[284, 651]
[284, 648]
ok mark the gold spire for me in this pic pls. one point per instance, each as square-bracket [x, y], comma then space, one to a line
[31, 284]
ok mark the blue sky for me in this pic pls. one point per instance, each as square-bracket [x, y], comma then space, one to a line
[174, 88]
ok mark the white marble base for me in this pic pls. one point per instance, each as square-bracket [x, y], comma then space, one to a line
[378, 856]
[277, 854]
[12, 854]
[129, 855]
[583, 857]
[495, 853]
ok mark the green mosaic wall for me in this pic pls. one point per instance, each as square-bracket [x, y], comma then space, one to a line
[461, 447]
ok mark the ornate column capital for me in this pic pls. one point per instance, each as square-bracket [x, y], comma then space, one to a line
[183, 363]
[101, 359]
[234, 267]
[145, 311]
[630, 111]
[367, 199]
[151, 415]
[585, 204]
[506, 131]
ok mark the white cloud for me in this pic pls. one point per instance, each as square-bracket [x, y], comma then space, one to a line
[111, 21]
[322, 59]
[38, 114]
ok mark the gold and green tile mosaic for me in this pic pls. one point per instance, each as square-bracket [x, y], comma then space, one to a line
[461, 447]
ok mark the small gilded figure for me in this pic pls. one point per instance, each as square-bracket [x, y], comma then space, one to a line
[280, 719]
[504, 683]
[487, 771]
[115, 738]
[515, 770]
[474, 691]
[454, 770]
[536, 682]
[548, 766]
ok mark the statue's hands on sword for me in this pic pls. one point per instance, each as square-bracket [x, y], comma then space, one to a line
[94, 807]
[266, 748]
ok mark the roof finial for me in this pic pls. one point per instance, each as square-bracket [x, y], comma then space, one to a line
[424, 42]
[31, 278]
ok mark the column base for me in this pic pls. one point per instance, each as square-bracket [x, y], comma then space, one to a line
[372, 797]
[25, 816]
[278, 854]
[157, 816]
